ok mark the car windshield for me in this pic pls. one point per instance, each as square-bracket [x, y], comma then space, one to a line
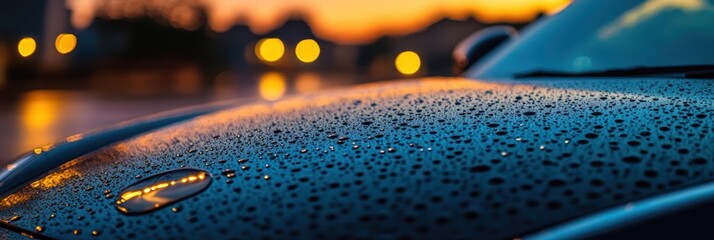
[602, 35]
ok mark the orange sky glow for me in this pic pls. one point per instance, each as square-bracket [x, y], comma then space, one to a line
[342, 21]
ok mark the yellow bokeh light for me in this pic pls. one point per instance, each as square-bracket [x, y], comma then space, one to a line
[39, 110]
[407, 62]
[272, 86]
[269, 49]
[307, 50]
[65, 43]
[39, 113]
[26, 46]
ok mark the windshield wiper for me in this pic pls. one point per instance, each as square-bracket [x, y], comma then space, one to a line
[692, 71]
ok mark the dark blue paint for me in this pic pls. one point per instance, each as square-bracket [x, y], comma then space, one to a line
[429, 161]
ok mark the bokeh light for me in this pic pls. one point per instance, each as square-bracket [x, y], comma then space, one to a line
[307, 50]
[269, 49]
[407, 62]
[39, 114]
[272, 86]
[26, 46]
[307, 82]
[65, 43]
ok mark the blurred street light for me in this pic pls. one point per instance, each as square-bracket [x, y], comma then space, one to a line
[407, 62]
[65, 43]
[307, 50]
[269, 49]
[26, 46]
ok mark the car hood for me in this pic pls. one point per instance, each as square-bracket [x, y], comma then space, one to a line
[424, 158]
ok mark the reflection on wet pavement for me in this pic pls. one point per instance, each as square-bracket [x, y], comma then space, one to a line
[36, 117]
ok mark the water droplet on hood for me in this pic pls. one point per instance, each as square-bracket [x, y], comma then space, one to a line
[160, 190]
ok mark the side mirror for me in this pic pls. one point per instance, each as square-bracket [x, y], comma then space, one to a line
[478, 44]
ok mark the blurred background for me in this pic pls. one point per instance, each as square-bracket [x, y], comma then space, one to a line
[69, 66]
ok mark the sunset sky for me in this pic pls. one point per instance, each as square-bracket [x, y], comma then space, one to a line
[343, 21]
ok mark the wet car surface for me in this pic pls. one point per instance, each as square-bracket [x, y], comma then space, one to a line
[429, 158]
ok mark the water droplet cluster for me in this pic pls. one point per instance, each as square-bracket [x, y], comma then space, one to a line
[420, 159]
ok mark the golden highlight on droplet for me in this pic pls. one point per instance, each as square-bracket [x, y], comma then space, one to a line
[65, 43]
[74, 138]
[26, 46]
[407, 62]
[132, 194]
[307, 50]
[269, 49]
[272, 86]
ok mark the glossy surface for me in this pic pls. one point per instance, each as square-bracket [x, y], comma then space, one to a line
[610, 34]
[160, 190]
[479, 44]
[421, 159]
[623, 217]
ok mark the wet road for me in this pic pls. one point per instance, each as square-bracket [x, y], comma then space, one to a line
[36, 117]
